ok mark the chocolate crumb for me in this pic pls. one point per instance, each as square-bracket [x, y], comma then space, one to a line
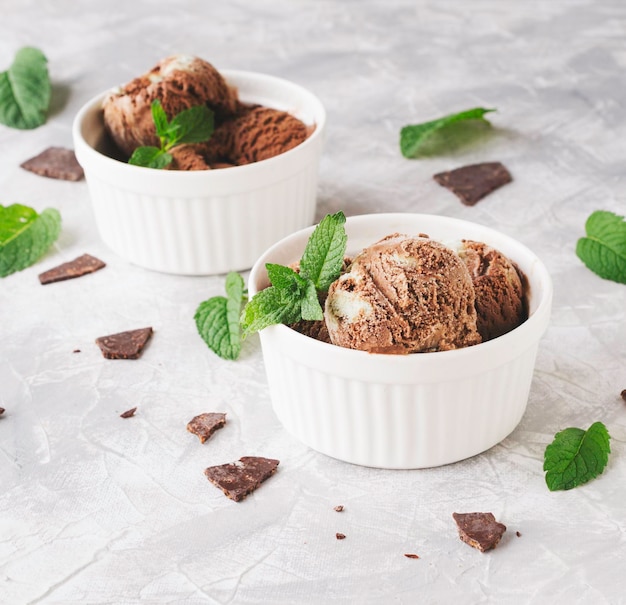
[411, 556]
[339, 508]
[128, 413]
[340, 536]
[518, 534]
[124, 345]
[479, 530]
[55, 163]
[623, 394]
[472, 183]
[2, 410]
[76, 351]
[204, 425]
[238, 479]
[76, 268]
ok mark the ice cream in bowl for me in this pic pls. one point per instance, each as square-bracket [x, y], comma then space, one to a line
[426, 350]
[222, 192]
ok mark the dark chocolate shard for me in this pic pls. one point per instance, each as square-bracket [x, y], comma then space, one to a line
[204, 425]
[340, 536]
[1, 411]
[124, 345]
[472, 183]
[410, 555]
[76, 268]
[238, 479]
[128, 413]
[55, 163]
[480, 530]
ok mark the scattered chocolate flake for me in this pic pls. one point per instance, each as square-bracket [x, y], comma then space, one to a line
[128, 413]
[339, 508]
[1, 411]
[472, 183]
[76, 351]
[518, 534]
[124, 345]
[623, 394]
[204, 425]
[55, 163]
[238, 479]
[480, 530]
[411, 556]
[76, 268]
[340, 536]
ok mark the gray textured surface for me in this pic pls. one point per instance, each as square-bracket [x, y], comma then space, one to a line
[96, 509]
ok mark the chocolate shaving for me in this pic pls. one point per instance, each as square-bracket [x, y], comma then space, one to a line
[55, 163]
[124, 345]
[340, 536]
[204, 425]
[76, 268]
[472, 183]
[411, 556]
[238, 479]
[339, 508]
[480, 530]
[76, 351]
[128, 413]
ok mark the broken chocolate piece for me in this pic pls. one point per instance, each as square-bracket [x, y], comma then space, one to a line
[238, 479]
[124, 345]
[76, 268]
[55, 163]
[128, 413]
[411, 556]
[339, 508]
[480, 530]
[340, 536]
[204, 425]
[518, 534]
[472, 183]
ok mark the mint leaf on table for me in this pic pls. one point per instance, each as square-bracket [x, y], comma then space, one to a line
[323, 256]
[603, 250]
[193, 125]
[412, 137]
[576, 456]
[217, 319]
[294, 296]
[25, 90]
[25, 236]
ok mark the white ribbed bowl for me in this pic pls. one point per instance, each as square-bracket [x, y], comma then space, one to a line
[210, 221]
[403, 411]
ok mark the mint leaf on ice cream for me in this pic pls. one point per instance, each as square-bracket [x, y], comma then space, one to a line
[25, 236]
[603, 250]
[576, 456]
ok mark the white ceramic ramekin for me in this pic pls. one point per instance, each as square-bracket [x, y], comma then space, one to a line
[210, 221]
[403, 411]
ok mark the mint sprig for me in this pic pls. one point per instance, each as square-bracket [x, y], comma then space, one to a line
[25, 236]
[603, 250]
[413, 136]
[25, 90]
[217, 319]
[576, 456]
[193, 125]
[294, 296]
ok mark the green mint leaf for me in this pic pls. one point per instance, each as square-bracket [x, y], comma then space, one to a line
[324, 253]
[25, 90]
[576, 456]
[268, 307]
[150, 157]
[193, 125]
[604, 249]
[217, 319]
[159, 117]
[310, 307]
[413, 136]
[285, 278]
[25, 236]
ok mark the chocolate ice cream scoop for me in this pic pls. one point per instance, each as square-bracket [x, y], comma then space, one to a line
[261, 133]
[179, 82]
[403, 295]
[499, 287]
